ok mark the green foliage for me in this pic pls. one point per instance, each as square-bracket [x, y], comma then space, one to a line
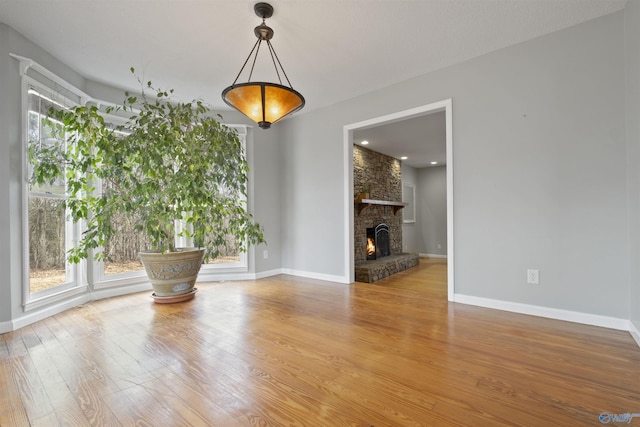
[170, 161]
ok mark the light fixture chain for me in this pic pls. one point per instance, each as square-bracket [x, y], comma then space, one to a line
[247, 60]
[273, 53]
[254, 60]
[279, 63]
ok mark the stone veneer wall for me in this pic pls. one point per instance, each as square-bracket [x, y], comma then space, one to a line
[382, 176]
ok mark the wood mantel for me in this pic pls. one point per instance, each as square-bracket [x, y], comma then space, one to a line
[362, 204]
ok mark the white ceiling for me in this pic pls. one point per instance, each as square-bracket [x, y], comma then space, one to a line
[421, 139]
[331, 50]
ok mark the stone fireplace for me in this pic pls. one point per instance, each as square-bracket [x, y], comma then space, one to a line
[377, 180]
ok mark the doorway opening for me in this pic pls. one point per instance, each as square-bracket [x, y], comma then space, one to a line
[348, 130]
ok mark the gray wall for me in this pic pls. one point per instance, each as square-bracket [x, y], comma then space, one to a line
[431, 215]
[539, 171]
[632, 71]
[265, 186]
[430, 228]
[313, 223]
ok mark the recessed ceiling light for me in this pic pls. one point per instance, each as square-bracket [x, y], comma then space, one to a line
[403, 158]
[365, 143]
[434, 163]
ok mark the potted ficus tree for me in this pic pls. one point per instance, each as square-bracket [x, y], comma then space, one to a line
[173, 166]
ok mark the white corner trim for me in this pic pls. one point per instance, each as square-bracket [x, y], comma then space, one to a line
[318, 276]
[551, 313]
[635, 333]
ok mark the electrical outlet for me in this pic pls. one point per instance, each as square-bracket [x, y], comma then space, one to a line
[265, 254]
[533, 277]
[439, 246]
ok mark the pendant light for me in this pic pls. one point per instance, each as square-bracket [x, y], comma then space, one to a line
[264, 103]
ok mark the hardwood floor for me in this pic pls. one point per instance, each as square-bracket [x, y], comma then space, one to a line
[288, 351]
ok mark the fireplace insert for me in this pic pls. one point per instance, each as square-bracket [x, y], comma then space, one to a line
[378, 242]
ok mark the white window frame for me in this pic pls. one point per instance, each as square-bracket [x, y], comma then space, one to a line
[77, 281]
[409, 197]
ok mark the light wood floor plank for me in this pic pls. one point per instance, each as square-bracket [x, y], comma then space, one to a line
[33, 395]
[12, 411]
[301, 352]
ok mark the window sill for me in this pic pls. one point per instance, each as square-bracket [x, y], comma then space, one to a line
[63, 295]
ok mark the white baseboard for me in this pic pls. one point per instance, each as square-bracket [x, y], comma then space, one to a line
[35, 316]
[551, 313]
[218, 277]
[319, 276]
[421, 255]
[635, 333]
[268, 273]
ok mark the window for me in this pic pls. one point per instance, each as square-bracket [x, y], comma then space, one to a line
[232, 260]
[122, 266]
[48, 229]
[409, 197]
[50, 233]
[121, 262]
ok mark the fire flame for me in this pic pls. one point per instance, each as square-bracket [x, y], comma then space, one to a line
[371, 247]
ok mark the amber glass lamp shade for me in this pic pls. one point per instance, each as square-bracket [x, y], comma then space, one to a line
[264, 103]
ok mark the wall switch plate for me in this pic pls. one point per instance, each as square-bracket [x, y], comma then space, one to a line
[533, 277]
[265, 254]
